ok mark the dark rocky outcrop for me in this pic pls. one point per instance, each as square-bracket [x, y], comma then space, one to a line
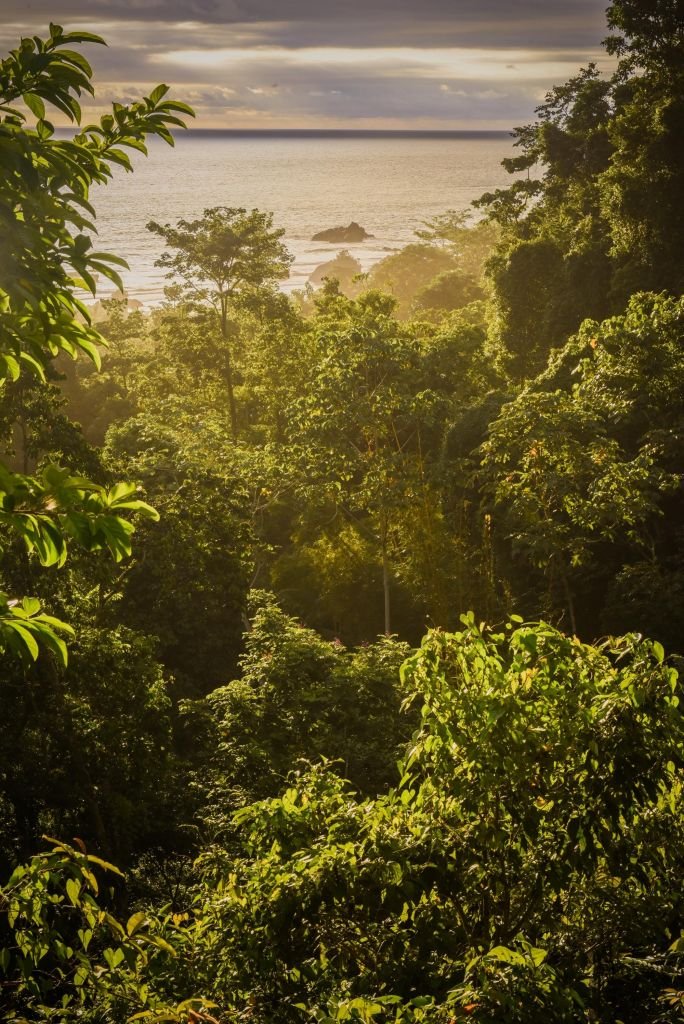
[351, 234]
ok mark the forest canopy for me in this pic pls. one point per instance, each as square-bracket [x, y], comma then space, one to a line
[341, 630]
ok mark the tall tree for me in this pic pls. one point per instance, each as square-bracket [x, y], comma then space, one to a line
[361, 426]
[587, 476]
[225, 256]
[599, 215]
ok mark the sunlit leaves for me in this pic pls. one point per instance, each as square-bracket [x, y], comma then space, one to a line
[538, 802]
[596, 461]
[25, 629]
[45, 184]
[46, 222]
[48, 510]
[67, 949]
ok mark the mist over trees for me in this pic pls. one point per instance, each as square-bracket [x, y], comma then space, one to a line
[341, 632]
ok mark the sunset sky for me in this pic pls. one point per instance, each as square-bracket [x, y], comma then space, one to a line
[378, 64]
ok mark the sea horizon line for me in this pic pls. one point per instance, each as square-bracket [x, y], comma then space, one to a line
[325, 133]
[353, 132]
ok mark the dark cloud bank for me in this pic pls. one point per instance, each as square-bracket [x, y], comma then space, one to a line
[442, 63]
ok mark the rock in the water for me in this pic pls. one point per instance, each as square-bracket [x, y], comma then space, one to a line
[351, 234]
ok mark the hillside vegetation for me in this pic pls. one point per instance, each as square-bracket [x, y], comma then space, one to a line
[340, 633]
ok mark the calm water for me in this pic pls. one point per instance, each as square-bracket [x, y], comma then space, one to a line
[389, 184]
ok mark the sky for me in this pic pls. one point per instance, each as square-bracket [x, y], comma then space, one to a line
[370, 64]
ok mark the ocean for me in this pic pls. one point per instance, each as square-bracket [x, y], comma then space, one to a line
[388, 182]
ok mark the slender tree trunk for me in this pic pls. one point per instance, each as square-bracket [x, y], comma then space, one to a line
[23, 432]
[225, 334]
[231, 395]
[386, 579]
[568, 598]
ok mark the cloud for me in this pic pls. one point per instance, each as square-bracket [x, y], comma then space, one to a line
[445, 62]
[355, 23]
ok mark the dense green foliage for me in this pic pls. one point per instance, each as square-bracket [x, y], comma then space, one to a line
[525, 866]
[604, 218]
[46, 256]
[320, 816]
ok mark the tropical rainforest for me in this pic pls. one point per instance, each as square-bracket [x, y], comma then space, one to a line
[340, 632]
